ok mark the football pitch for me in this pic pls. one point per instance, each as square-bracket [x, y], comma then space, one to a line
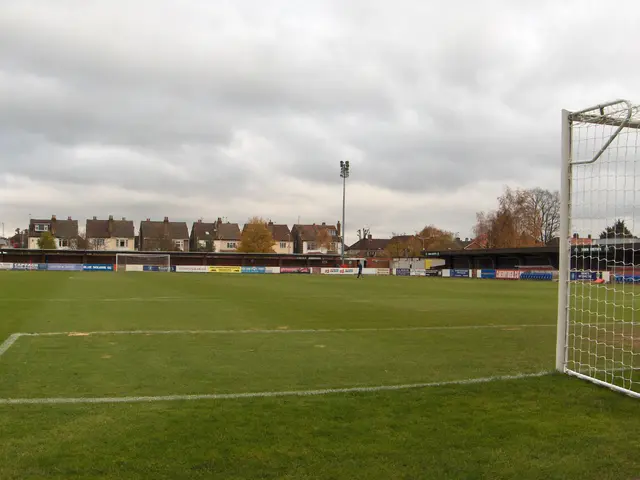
[187, 376]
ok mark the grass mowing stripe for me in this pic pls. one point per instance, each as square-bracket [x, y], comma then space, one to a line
[268, 331]
[8, 342]
[294, 393]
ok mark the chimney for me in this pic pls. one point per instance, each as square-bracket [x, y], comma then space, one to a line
[123, 219]
[111, 218]
[575, 235]
[53, 218]
[110, 225]
[166, 219]
[370, 237]
[589, 236]
[95, 218]
[323, 223]
[148, 220]
[69, 218]
[199, 220]
[338, 225]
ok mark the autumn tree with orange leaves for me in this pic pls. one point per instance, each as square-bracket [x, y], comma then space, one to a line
[524, 218]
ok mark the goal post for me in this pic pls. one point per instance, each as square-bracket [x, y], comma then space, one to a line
[598, 330]
[143, 262]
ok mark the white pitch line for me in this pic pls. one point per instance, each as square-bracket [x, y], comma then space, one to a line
[270, 331]
[8, 342]
[291, 393]
[125, 299]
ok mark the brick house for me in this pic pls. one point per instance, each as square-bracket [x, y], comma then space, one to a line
[163, 236]
[202, 238]
[368, 247]
[65, 232]
[227, 236]
[110, 234]
[307, 238]
[282, 238]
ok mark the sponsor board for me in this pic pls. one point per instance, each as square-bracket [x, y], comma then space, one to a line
[191, 269]
[432, 273]
[403, 272]
[295, 270]
[155, 268]
[339, 271]
[508, 274]
[487, 273]
[582, 275]
[272, 270]
[459, 272]
[382, 271]
[253, 270]
[64, 267]
[417, 272]
[29, 266]
[97, 268]
[6, 266]
[61, 267]
[225, 269]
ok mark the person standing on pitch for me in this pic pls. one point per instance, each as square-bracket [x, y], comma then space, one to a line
[359, 269]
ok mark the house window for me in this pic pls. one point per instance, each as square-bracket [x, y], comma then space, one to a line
[311, 246]
[122, 243]
[231, 244]
[332, 233]
[41, 227]
[178, 244]
[63, 242]
[283, 244]
[99, 242]
[202, 243]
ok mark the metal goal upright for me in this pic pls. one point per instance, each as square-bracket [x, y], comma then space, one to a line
[598, 330]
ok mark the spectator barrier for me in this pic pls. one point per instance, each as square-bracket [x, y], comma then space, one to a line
[543, 274]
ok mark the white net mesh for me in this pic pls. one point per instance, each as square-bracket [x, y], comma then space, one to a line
[135, 262]
[603, 330]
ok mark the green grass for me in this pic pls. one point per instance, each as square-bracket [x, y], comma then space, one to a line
[546, 427]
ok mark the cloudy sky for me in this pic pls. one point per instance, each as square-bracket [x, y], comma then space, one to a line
[235, 108]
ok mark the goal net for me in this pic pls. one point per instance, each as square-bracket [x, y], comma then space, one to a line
[137, 262]
[598, 301]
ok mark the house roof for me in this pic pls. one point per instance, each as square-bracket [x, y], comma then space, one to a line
[279, 232]
[58, 228]
[477, 243]
[370, 244]
[203, 230]
[309, 233]
[158, 229]
[228, 231]
[110, 228]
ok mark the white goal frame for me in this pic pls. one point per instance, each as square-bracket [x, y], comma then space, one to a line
[595, 327]
[143, 259]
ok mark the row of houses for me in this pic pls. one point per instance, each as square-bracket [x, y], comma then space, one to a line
[165, 235]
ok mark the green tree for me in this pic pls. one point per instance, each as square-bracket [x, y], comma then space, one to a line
[47, 241]
[256, 237]
[617, 230]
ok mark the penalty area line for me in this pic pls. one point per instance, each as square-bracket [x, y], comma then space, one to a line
[6, 345]
[280, 331]
[290, 393]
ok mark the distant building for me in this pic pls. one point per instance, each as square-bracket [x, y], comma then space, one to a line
[309, 238]
[110, 234]
[163, 236]
[65, 232]
[368, 247]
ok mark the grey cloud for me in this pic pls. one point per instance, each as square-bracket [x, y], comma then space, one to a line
[216, 99]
